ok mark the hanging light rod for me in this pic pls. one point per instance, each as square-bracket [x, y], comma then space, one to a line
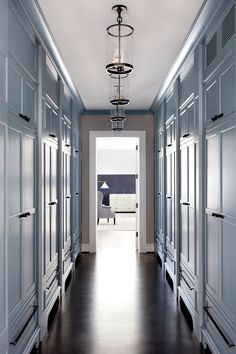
[120, 40]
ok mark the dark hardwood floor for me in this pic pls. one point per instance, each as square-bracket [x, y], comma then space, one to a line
[119, 302]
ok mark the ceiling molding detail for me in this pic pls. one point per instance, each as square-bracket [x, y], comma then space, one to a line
[39, 23]
[203, 20]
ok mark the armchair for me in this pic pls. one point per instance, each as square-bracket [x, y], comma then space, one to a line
[104, 211]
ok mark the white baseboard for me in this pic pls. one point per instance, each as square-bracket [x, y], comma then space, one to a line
[85, 247]
[150, 247]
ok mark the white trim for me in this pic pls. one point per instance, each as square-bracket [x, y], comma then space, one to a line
[141, 135]
[85, 247]
[150, 247]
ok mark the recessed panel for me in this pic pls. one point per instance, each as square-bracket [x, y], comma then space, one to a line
[229, 172]
[213, 172]
[212, 253]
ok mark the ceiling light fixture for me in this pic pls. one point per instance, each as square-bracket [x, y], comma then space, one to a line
[119, 56]
[117, 119]
[119, 53]
[119, 89]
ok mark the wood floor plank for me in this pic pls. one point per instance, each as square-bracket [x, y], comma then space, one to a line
[119, 302]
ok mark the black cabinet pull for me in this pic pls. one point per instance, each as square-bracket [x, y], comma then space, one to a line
[52, 203]
[68, 197]
[68, 145]
[169, 145]
[15, 341]
[52, 135]
[217, 116]
[26, 118]
[227, 340]
[186, 203]
[168, 197]
[159, 150]
[24, 215]
[186, 282]
[186, 135]
[76, 193]
[76, 150]
[51, 283]
[216, 215]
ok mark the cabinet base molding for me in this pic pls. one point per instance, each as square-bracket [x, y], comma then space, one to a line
[170, 274]
[64, 278]
[49, 308]
[34, 342]
[207, 341]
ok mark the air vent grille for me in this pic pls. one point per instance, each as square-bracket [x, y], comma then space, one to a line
[228, 26]
[211, 49]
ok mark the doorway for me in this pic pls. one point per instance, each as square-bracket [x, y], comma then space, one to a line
[117, 196]
[123, 193]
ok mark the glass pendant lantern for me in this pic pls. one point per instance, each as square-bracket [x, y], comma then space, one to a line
[117, 119]
[118, 126]
[119, 46]
[117, 114]
[119, 89]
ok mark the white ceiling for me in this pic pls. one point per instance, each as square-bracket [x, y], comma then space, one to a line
[79, 29]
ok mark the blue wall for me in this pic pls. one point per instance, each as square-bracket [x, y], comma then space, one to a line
[118, 184]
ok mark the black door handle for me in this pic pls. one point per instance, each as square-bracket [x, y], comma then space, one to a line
[186, 203]
[186, 135]
[216, 215]
[52, 135]
[68, 145]
[52, 203]
[68, 197]
[217, 116]
[168, 197]
[26, 118]
[169, 145]
[24, 215]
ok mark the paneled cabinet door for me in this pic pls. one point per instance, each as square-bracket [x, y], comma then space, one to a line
[67, 200]
[159, 196]
[21, 95]
[28, 224]
[221, 216]
[50, 197]
[184, 220]
[220, 94]
[170, 211]
[21, 220]
[187, 120]
[187, 205]
[170, 133]
[51, 122]
[2, 232]
[66, 132]
[53, 202]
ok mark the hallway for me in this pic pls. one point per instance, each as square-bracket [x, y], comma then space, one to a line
[119, 302]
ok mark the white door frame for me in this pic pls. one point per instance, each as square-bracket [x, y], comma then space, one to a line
[141, 135]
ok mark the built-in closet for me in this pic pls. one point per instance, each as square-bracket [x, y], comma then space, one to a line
[195, 237]
[40, 218]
